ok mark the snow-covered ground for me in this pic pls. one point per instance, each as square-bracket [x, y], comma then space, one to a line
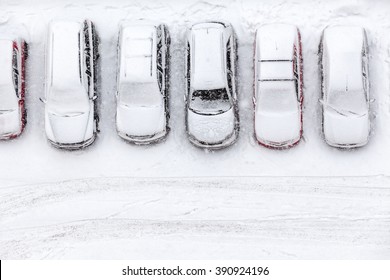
[172, 200]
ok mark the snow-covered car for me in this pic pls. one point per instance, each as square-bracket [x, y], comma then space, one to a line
[13, 54]
[71, 117]
[345, 86]
[211, 97]
[142, 112]
[278, 86]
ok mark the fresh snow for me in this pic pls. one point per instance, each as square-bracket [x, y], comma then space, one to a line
[6, 67]
[211, 128]
[137, 53]
[207, 56]
[172, 200]
[344, 47]
[64, 61]
[275, 41]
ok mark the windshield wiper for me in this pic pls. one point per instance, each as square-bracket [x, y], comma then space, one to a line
[6, 111]
[208, 113]
[68, 115]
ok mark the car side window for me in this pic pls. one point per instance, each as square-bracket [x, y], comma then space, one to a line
[87, 55]
[15, 70]
[296, 71]
[188, 68]
[229, 66]
[365, 70]
[160, 73]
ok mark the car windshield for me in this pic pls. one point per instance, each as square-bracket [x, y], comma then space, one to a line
[8, 99]
[277, 97]
[348, 102]
[63, 101]
[210, 101]
[140, 94]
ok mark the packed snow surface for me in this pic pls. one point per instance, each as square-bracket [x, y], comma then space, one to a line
[172, 200]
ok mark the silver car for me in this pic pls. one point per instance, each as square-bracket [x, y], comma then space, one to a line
[71, 118]
[345, 86]
[211, 97]
[142, 112]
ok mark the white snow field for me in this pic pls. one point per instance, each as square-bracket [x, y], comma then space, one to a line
[172, 200]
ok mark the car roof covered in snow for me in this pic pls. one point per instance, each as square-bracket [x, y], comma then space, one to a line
[6, 47]
[64, 58]
[276, 41]
[207, 56]
[342, 47]
[138, 53]
[66, 91]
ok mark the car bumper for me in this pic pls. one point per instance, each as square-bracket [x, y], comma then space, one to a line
[8, 136]
[230, 140]
[346, 146]
[144, 140]
[279, 145]
[74, 146]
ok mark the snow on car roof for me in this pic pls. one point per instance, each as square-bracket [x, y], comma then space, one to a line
[65, 58]
[343, 53]
[6, 47]
[207, 56]
[138, 49]
[276, 41]
[8, 99]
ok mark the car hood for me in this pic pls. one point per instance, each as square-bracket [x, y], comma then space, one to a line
[346, 130]
[278, 128]
[69, 129]
[140, 120]
[211, 129]
[10, 123]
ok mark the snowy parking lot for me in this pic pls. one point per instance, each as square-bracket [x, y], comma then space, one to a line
[172, 200]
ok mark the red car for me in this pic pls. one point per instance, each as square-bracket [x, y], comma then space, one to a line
[13, 55]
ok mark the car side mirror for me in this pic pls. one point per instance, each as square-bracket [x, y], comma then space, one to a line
[372, 100]
[43, 100]
[93, 98]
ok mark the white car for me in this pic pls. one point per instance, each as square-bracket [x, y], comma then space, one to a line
[345, 86]
[71, 116]
[142, 112]
[278, 87]
[13, 54]
[211, 98]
